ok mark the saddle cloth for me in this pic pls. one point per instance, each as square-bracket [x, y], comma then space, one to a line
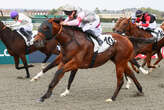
[159, 33]
[28, 43]
[108, 41]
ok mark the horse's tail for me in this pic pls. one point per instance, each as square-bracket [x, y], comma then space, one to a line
[142, 40]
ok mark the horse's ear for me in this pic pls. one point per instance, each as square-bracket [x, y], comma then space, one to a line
[129, 18]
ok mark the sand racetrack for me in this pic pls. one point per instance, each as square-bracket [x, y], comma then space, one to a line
[89, 90]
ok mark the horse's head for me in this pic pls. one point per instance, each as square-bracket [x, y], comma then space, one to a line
[124, 26]
[162, 26]
[48, 29]
[2, 26]
[117, 24]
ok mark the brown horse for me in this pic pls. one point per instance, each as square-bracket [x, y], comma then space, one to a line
[130, 29]
[17, 48]
[77, 53]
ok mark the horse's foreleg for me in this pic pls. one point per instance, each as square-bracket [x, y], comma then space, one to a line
[51, 65]
[71, 65]
[148, 60]
[134, 68]
[71, 78]
[120, 80]
[144, 62]
[160, 57]
[134, 62]
[44, 61]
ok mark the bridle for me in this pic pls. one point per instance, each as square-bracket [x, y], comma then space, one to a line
[55, 35]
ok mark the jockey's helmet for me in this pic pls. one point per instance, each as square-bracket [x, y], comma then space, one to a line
[14, 14]
[139, 13]
[68, 9]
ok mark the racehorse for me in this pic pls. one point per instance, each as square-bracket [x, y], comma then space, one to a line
[17, 48]
[77, 53]
[130, 29]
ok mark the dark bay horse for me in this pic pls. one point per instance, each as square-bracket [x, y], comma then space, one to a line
[16, 47]
[130, 29]
[77, 53]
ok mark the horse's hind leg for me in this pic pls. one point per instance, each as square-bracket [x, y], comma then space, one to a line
[23, 57]
[16, 59]
[132, 76]
[71, 78]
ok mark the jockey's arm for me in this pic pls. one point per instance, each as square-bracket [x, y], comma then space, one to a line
[147, 22]
[15, 26]
[75, 22]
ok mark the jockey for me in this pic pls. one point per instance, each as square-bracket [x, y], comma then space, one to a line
[22, 23]
[148, 22]
[145, 20]
[88, 21]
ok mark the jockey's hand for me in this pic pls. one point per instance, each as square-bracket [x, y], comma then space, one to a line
[137, 24]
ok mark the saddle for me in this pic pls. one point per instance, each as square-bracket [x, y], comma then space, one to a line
[28, 36]
[108, 41]
[157, 34]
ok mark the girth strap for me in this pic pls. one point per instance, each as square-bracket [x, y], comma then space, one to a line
[93, 59]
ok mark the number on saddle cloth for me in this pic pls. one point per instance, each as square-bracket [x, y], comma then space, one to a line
[158, 33]
[109, 40]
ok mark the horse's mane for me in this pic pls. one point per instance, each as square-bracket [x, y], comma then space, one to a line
[139, 29]
[76, 28]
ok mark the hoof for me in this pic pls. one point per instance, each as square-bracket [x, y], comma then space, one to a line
[145, 72]
[109, 100]
[40, 100]
[33, 79]
[150, 70]
[140, 94]
[65, 93]
[20, 77]
[127, 86]
[157, 66]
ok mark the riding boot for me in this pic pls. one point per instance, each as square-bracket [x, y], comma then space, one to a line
[26, 34]
[90, 32]
[155, 45]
